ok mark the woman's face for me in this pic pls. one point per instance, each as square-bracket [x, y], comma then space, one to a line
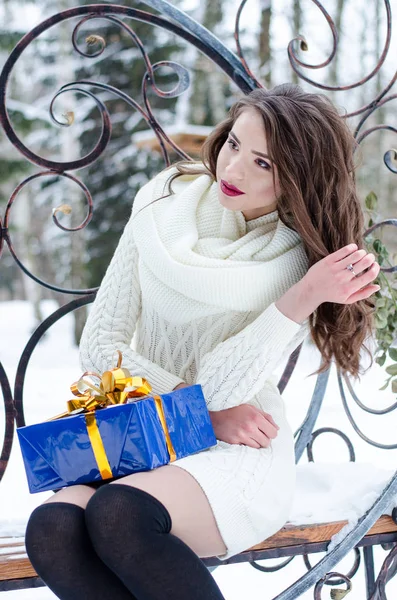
[244, 171]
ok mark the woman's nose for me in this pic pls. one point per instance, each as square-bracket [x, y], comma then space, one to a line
[234, 170]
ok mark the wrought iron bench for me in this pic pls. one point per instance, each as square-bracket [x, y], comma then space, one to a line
[372, 529]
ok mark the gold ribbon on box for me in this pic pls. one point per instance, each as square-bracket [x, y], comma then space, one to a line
[115, 387]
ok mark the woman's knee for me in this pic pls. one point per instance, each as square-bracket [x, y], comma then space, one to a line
[117, 514]
[58, 521]
[53, 532]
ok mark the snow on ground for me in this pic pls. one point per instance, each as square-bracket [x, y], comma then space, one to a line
[326, 490]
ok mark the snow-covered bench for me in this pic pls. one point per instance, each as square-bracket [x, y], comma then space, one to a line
[327, 515]
[338, 507]
[317, 485]
[16, 572]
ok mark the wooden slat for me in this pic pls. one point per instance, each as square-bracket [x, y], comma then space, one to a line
[16, 569]
[189, 142]
[293, 535]
[16, 565]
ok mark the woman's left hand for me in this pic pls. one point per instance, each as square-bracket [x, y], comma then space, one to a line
[329, 279]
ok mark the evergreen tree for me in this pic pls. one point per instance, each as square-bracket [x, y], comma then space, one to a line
[14, 167]
[78, 260]
[211, 88]
[116, 176]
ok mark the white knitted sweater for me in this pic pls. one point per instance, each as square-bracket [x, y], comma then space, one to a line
[196, 285]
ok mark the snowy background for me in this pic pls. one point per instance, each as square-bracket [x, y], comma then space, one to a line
[326, 490]
[321, 495]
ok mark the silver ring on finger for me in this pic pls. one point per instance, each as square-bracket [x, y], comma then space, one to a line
[350, 268]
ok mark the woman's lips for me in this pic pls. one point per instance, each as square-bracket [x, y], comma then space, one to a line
[230, 190]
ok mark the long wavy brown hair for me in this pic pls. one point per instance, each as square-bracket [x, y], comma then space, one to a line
[313, 149]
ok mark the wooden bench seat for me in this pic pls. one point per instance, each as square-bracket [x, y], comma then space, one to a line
[290, 540]
[302, 539]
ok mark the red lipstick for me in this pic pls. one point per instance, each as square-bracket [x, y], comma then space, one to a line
[230, 190]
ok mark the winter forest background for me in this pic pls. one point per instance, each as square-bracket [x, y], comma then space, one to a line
[79, 260]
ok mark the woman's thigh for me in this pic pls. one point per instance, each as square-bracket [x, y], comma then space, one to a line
[75, 494]
[192, 518]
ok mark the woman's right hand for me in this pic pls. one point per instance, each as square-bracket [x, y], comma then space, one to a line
[244, 424]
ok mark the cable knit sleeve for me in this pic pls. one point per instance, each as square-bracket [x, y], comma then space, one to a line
[236, 369]
[112, 320]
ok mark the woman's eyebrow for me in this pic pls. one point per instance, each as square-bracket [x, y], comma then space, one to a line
[234, 136]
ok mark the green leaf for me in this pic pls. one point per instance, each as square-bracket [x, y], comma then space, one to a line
[371, 201]
[378, 246]
[384, 386]
[339, 594]
[381, 359]
[394, 386]
[393, 353]
[380, 301]
[380, 323]
[392, 370]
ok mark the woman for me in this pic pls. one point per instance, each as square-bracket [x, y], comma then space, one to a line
[221, 272]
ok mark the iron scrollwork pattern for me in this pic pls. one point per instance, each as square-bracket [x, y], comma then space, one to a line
[182, 26]
[236, 67]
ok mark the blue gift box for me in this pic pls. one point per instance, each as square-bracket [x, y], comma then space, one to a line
[59, 453]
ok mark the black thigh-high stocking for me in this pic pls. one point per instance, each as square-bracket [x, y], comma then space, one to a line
[130, 532]
[61, 552]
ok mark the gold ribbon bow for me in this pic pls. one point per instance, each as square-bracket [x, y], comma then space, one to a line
[115, 387]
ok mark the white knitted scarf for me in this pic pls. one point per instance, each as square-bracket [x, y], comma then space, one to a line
[209, 253]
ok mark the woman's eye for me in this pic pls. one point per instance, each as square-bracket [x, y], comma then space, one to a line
[232, 144]
[263, 164]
